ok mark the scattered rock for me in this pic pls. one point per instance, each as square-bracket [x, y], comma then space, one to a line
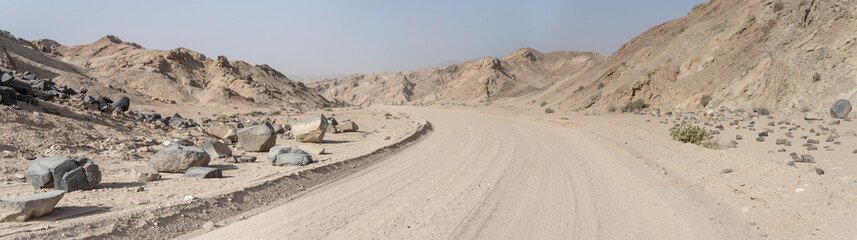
[840, 109]
[247, 159]
[732, 144]
[293, 159]
[272, 155]
[257, 138]
[64, 173]
[781, 141]
[217, 149]
[176, 158]
[121, 104]
[811, 147]
[738, 137]
[819, 171]
[141, 201]
[763, 134]
[761, 111]
[202, 172]
[727, 170]
[21, 208]
[310, 130]
[812, 116]
[806, 158]
[348, 126]
[279, 129]
[220, 130]
[145, 174]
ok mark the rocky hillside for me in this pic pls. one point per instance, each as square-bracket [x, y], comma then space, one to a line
[786, 55]
[114, 67]
[484, 80]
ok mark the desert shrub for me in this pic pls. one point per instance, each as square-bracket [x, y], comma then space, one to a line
[544, 103]
[328, 110]
[565, 118]
[779, 6]
[816, 77]
[600, 85]
[548, 110]
[687, 133]
[634, 106]
[705, 100]
[388, 115]
[805, 108]
[579, 88]
[611, 109]
[712, 144]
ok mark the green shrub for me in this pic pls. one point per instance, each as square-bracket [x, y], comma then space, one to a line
[544, 103]
[687, 133]
[705, 100]
[600, 85]
[548, 110]
[634, 106]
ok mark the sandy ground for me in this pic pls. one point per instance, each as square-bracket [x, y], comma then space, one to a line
[114, 197]
[498, 174]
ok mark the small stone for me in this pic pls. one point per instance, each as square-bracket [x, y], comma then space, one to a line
[781, 141]
[819, 171]
[189, 198]
[725, 171]
[247, 159]
[738, 137]
[732, 144]
[806, 158]
[811, 148]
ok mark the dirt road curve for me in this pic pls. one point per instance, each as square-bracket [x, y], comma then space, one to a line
[485, 177]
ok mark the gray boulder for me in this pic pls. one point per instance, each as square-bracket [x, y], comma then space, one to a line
[272, 155]
[761, 111]
[293, 159]
[279, 129]
[840, 109]
[21, 208]
[310, 130]
[222, 131]
[257, 138]
[145, 174]
[122, 104]
[177, 158]
[63, 173]
[217, 149]
[203, 172]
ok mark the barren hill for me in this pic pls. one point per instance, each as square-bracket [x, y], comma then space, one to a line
[113, 66]
[480, 81]
[786, 55]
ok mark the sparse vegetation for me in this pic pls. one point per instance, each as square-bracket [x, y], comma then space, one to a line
[544, 103]
[611, 109]
[816, 77]
[687, 133]
[712, 144]
[579, 88]
[805, 108]
[600, 85]
[565, 118]
[705, 100]
[726, 170]
[639, 104]
[548, 110]
[388, 115]
[328, 110]
[779, 6]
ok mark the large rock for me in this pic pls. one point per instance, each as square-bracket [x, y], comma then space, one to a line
[840, 109]
[293, 159]
[222, 131]
[310, 130]
[8, 96]
[348, 126]
[203, 172]
[122, 103]
[272, 155]
[217, 149]
[177, 158]
[21, 208]
[257, 138]
[145, 174]
[63, 173]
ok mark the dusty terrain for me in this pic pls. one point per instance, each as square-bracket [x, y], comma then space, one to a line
[498, 173]
[118, 196]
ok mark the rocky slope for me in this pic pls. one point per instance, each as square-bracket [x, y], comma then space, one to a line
[786, 55]
[111, 67]
[484, 80]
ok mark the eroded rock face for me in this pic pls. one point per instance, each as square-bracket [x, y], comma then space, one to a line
[177, 158]
[310, 130]
[257, 138]
[21, 208]
[64, 173]
[840, 109]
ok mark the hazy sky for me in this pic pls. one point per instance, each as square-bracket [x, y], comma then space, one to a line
[332, 37]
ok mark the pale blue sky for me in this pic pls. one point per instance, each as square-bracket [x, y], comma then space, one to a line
[332, 37]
